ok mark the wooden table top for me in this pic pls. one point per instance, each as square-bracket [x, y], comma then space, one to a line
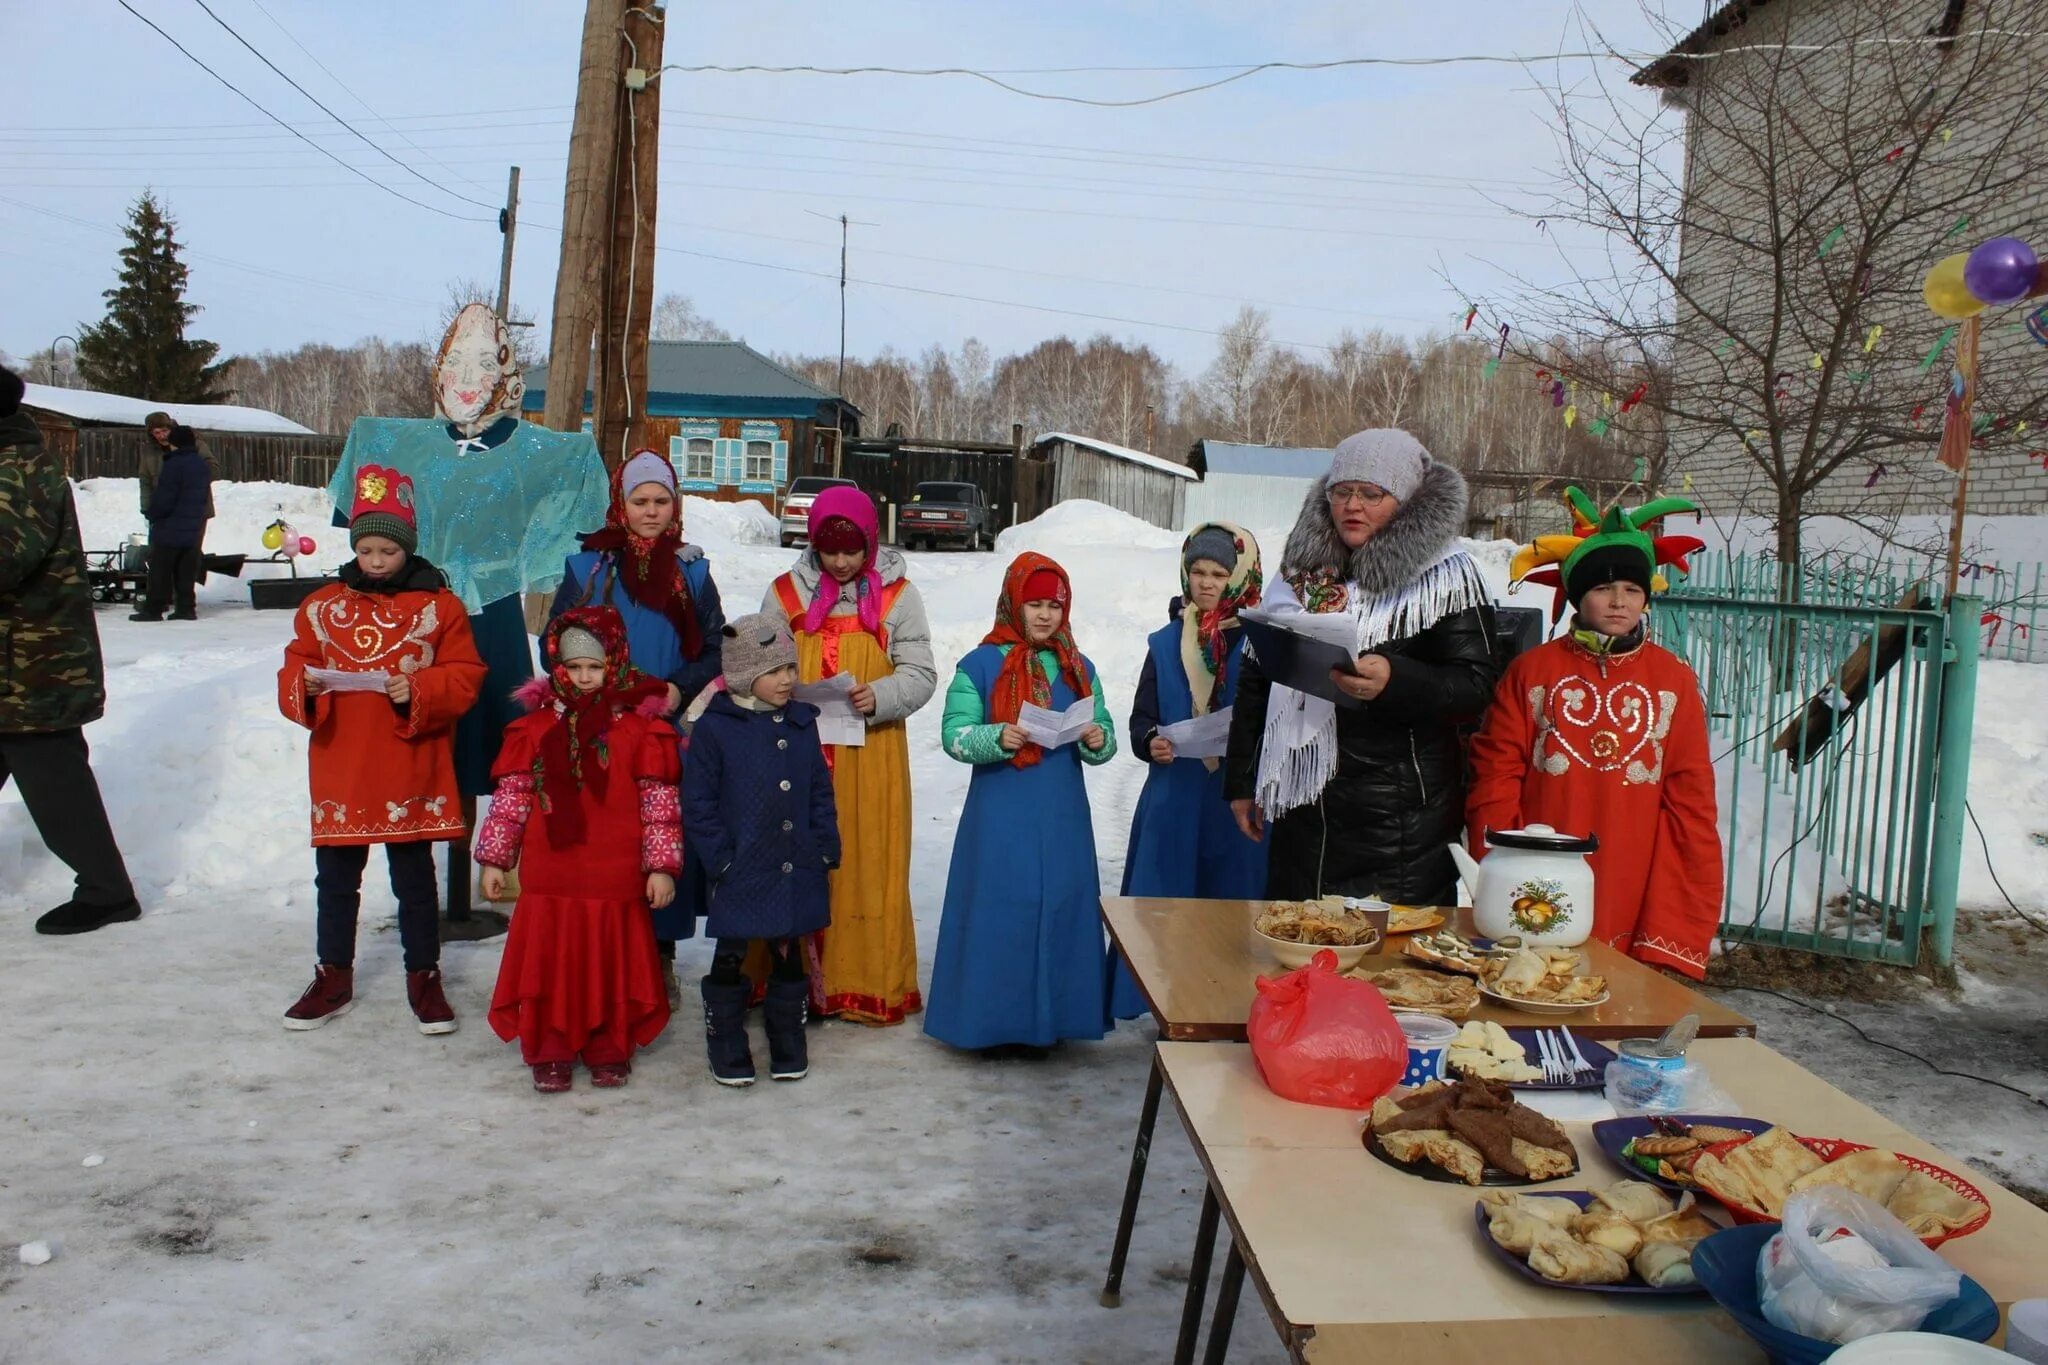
[1356, 1260]
[1195, 961]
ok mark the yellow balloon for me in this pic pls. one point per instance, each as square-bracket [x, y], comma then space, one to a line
[272, 537]
[1945, 291]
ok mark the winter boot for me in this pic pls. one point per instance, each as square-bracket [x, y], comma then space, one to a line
[725, 1033]
[332, 994]
[552, 1078]
[610, 1075]
[429, 1004]
[80, 917]
[783, 1012]
[675, 985]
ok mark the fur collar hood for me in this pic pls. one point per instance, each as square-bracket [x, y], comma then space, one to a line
[1416, 538]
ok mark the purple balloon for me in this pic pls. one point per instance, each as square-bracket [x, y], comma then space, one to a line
[2002, 271]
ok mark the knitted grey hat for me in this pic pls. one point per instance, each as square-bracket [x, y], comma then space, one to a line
[755, 645]
[1386, 456]
[578, 643]
[1212, 543]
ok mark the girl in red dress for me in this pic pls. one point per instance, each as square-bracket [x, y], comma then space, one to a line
[586, 809]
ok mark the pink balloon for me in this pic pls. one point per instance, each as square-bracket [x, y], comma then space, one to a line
[306, 545]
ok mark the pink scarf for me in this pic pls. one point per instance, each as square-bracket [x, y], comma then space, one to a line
[856, 507]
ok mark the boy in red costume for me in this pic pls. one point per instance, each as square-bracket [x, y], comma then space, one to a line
[1602, 732]
[586, 809]
[382, 758]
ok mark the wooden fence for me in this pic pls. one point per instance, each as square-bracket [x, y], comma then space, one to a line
[119, 452]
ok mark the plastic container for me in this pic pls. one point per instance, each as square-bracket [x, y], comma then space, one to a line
[2026, 1330]
[1641, 1084]
[1918, 1348]
[1429, 1044]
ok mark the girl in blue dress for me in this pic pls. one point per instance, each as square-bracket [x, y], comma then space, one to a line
[1020, 958]
[639, 566]
[1184, 840]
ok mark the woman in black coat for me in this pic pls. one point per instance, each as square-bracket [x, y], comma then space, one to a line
[1362, 799]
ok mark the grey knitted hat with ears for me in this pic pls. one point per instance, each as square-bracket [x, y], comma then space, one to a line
[1386, 456]
[754, 645]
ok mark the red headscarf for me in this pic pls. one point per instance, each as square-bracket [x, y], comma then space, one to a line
[647, 569]
[1032, 577]
[584, 721]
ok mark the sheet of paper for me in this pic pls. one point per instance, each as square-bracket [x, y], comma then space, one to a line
[335, 680]
[1055, 729]
[839, 721]
[1297, 660]
[1202, 737]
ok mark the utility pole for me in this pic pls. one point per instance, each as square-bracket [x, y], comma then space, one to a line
[626, 302]
[843, 221]
[508, 224]
[586, 212]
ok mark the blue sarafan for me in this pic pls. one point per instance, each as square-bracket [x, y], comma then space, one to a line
[1021, 953]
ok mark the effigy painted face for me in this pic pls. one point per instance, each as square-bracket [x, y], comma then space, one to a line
[476, 376]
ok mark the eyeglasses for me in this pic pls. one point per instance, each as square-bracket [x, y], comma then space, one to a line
[1363, 494]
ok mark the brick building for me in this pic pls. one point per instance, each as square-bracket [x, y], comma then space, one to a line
[1801, 116]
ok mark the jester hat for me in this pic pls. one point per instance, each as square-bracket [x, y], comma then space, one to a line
[1603, 547]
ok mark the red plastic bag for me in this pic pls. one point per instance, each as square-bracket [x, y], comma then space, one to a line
[1321, 1038]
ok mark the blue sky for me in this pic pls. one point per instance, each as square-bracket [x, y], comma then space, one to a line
[1333, 199]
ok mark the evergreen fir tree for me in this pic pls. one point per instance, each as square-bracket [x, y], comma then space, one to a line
[140, 349]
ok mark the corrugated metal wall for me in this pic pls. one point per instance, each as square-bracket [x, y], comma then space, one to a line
[1150, 494]
[1254, 501]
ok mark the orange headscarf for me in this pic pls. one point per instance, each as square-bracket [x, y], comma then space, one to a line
[1022, 679]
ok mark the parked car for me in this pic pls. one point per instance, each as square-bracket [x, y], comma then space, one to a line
[946, 514]
[796, 506]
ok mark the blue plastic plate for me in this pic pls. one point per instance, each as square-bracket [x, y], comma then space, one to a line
[1482, 1216]
[1597, 1057]
[1726, 1266]
[1614, 1134]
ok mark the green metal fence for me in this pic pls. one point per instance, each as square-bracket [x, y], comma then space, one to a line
[2014, 592]
[1841, 790]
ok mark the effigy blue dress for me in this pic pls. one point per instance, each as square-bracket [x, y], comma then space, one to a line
[498, 513]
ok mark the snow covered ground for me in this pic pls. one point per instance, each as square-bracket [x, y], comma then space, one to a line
[362, 1192]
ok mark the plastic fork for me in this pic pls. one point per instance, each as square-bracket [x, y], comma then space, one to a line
[1580, 1066]
[1553, 1069]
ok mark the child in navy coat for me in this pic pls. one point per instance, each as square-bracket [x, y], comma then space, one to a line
[757, 803]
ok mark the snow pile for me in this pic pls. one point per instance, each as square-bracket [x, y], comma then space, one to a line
[718, 524]
[1081, 524]
[2008, 792]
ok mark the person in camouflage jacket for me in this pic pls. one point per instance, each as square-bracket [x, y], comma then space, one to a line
[51, 680]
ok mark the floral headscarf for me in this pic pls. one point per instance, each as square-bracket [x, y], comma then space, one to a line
[1203, 648]
[1022, 679]
[561, 763]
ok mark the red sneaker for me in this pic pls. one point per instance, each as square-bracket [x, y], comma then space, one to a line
[331, 995]
[552, 1078]
[610, 1075]
[429, 1005]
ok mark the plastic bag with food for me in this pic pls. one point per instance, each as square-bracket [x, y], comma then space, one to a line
[1844, 1269]
[1322, 1038]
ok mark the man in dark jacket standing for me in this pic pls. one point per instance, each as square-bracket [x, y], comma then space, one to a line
[158, 425]
[51, 683]
[177, 523]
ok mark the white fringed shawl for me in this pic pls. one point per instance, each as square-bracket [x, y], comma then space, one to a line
[1298, 755]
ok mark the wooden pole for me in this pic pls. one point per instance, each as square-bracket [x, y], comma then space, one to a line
[586, 213]
[619, 412]
[508, 224]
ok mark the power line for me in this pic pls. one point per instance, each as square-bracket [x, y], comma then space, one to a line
[353, 170]
[350, 127]
[328, 71]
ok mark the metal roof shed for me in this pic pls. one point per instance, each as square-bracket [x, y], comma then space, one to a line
[1129, 480]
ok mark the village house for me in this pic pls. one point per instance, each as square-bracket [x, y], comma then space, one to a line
[729, 418]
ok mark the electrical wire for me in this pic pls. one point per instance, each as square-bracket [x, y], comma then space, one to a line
[349, 127]
[1465, 59]
[1830, 1012]
[1986, 845]
[356, 171]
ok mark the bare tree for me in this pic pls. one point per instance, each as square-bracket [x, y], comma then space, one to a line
[1825, 157]
[677, 319]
